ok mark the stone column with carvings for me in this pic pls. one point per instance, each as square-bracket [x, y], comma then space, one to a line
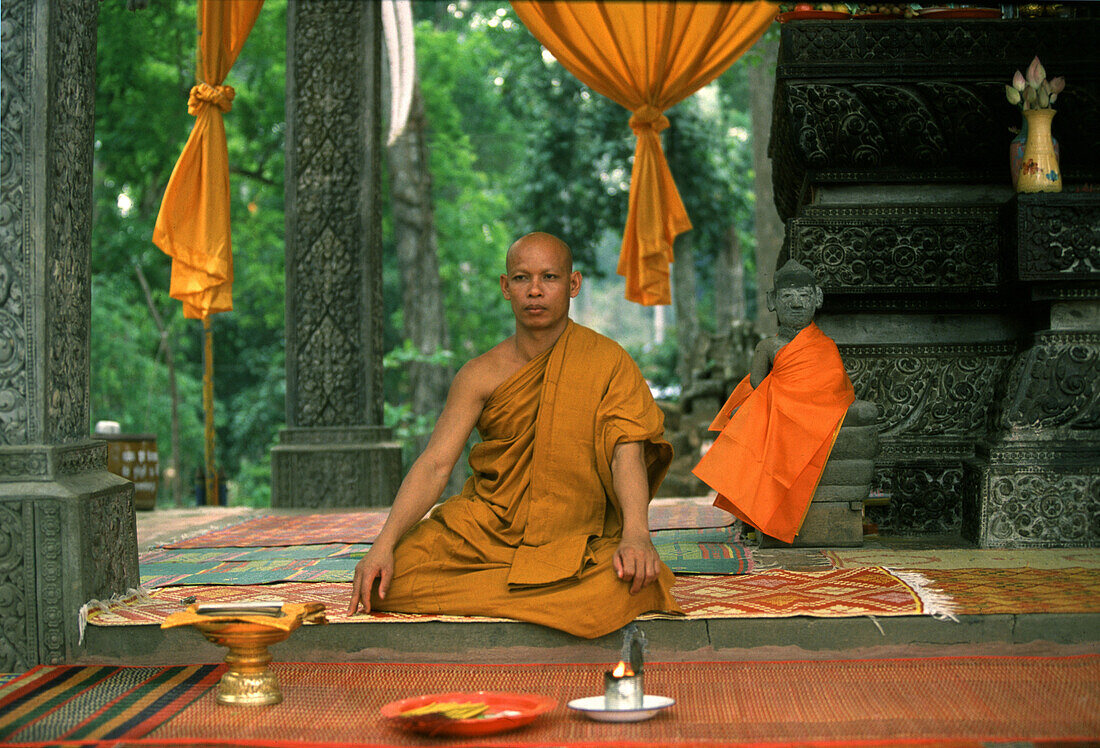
[67, 531]
[1036, 481]
[335, 451]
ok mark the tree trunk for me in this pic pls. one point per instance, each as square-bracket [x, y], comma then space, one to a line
[769, 227]
[175, 480]
[729, 284]
[683, 299]
[417, 256]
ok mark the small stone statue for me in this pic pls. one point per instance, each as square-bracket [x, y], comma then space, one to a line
[795, 298]
[778, 426]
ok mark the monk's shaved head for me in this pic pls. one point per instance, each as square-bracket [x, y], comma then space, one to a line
[538, 238]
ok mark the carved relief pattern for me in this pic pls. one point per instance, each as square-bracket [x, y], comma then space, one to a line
[16, 183]
[83, 459]
[14, 647]
[1055, 384]
[1043, 509]
[325, 479]
[1058, 242]
[934, 248]
[924, 498]
[112, 560]
[69, 222]
[827, 120]
[984, 43]
[50, 593]
[24, 464]
[927, 390]
[867, 126]
[328, 143]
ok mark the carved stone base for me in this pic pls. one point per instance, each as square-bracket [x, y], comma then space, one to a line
[62, 543]
[924, 497]
[1017, 498]
[335, 467]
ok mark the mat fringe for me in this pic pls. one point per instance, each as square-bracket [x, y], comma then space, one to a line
[936, 602]
[133, 594]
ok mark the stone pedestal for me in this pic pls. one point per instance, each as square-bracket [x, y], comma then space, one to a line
[67, 531]
[890, 147]
[335, 451]
[835, 515]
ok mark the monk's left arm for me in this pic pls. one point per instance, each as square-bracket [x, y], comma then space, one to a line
[636, 560]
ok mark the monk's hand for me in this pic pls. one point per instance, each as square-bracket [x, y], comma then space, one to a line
[636, 561]
[376, 565]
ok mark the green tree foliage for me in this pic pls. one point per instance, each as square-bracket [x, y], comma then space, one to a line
[516, 144]
[145, 69]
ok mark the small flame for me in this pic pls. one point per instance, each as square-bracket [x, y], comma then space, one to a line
[622, 670]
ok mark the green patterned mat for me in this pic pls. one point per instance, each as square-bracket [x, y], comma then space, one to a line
[708, 551]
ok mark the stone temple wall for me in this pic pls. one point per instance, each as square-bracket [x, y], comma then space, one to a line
[968, 314]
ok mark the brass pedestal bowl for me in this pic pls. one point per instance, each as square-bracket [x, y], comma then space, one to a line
[247, 633]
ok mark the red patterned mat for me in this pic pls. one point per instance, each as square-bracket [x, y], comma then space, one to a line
[364, 526]
[949, 700]
[839, 593]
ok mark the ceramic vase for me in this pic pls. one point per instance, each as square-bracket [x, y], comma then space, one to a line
[1039, 170]
[1016, 152]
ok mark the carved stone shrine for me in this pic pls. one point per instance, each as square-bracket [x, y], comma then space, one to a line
[335, 451]
[968, 314]
[67, 530]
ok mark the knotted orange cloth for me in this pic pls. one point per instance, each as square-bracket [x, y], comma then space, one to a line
[534, 530]
[768, 458]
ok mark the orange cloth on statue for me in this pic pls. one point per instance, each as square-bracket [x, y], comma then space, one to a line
[775, 439]
[534, 530]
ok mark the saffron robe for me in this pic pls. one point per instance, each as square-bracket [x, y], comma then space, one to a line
[533, 533]
[774, 440]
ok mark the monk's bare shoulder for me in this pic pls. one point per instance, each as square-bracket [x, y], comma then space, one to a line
[480, 376]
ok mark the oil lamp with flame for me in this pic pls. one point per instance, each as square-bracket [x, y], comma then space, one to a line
[623, 686]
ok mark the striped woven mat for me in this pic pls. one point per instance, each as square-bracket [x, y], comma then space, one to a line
[364, 526]
[778, 593]
[990, 591]
[967, 558]
[707, 551]
[948, 700]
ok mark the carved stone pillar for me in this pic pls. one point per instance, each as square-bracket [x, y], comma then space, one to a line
[67, 531]
[1036, 481]
[335, 452]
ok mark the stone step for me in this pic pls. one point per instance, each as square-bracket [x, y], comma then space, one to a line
[669, 640]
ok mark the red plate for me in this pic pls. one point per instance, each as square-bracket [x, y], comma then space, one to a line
[507, 711]
[815, 15]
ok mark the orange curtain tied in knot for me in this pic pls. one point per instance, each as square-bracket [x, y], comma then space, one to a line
[193, 224]
[219, 96]
[647, 56]
[648, 117]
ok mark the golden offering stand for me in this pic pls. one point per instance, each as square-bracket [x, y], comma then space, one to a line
[247, 629]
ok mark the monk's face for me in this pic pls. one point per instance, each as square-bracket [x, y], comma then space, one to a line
[540, 281]
[796, 307]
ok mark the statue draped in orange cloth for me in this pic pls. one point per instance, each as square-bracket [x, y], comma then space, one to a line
[778, 427]
[552, 527]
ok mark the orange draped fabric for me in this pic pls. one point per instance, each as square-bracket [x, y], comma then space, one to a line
[775, 439]
[193, 224]
[647, 56]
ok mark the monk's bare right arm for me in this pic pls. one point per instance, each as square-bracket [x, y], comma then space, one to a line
[424, 483]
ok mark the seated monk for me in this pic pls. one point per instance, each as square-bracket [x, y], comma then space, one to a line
[552, 527]
[779, 425]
